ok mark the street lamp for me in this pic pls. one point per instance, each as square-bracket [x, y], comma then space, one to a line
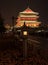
[25, 35]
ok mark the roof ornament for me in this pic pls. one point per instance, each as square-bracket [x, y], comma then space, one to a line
[28, 2]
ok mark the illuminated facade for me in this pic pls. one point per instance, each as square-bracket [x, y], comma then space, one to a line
[29, 17]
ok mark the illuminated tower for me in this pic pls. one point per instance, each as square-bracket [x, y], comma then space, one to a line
[29, 17]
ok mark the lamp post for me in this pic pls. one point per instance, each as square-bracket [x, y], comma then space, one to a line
[25, 34]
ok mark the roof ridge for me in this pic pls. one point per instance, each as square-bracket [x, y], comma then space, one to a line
[28, 9]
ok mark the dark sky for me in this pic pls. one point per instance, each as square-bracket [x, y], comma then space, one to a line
[10, 8]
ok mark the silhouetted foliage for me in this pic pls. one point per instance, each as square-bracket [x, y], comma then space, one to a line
[2, 28]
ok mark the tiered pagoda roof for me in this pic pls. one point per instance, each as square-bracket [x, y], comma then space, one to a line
[28, 10]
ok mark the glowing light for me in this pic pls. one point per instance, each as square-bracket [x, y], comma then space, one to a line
[26, 24]
[21, 25]
[35, 25]
[25, 33]
[7, 26]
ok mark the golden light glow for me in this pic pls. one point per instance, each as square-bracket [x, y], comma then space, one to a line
[21, 24]
[25, 33]
[26, 24]
[7, 26]
[35, 25]
[30, 25]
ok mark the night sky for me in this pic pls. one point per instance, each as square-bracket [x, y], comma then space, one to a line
[9, 8]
